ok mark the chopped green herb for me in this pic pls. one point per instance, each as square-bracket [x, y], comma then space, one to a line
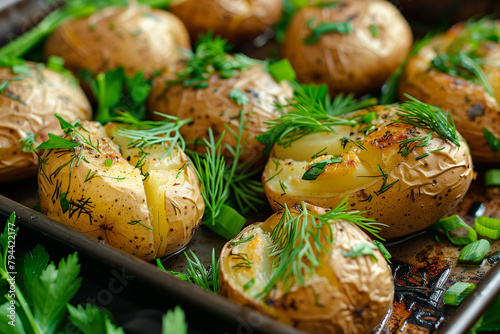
[318, 30]
[108, 162]
[317, 168]
[492, 140]
[383, 250]
[249, 284]
[374, 30]
[135, 222]
[361, 249]
[210, 57]
[239, 97]
[242, 240]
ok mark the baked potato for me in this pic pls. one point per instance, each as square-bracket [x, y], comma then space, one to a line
[237, 21]
[135, 37]
[30, 95]
[352, 46]
[447, 73]
[143, 199]
[216, 98]
[395, 162]
[309, 274]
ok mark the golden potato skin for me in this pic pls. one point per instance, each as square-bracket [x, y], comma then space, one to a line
[212, 107]
[428, 187]
[237, 21]
[470, 105]
[345, 295]
[357, 62]
[146, 218]
[44, 93]
[135, 37]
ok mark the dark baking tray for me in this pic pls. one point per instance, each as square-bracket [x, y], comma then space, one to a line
[423, 268]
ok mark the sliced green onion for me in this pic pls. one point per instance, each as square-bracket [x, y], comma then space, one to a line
[228, 223]
[451, 226]
[383, 250]
[457, 293]
[55, 63]
[474, 252]
[492, 178]
[488, 227]
[108, 162]
[282, 70]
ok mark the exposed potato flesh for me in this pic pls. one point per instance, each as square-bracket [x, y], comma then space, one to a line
[147, 215]
[343, 295]
[407, 193]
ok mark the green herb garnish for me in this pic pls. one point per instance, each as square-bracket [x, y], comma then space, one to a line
[211, 57]
[318, 30]
[317, 168]
[361, 249]
[425, 116]
[493, 141]
[239, 97]
[298, 242]
[206, 278]
[310, 111]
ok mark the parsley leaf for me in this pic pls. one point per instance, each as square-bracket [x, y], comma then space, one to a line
[91, 320]
[31, 269]
[115, 91]
[174, 322]
[53, 289]
[56, 142]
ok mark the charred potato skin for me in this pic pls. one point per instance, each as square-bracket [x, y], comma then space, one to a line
[347, 295]
[212, 108]
[136, 37]
[471, 107]
[424, 189]
[357, 62]
[237, 21]
[44, 93]
[114, 204]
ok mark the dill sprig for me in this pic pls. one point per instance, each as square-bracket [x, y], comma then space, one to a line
[299, 241]
[206, 278]
[227, 183]
[211, 56]
[310, 111]
[144, 134]
[425, 116]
